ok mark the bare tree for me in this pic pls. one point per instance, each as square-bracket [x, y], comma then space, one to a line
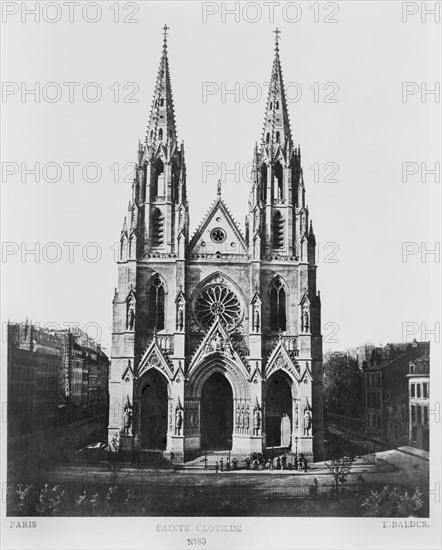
[340, 468]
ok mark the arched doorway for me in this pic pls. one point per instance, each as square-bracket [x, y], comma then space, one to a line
[278, 411]
[154, 399]
[216, 413]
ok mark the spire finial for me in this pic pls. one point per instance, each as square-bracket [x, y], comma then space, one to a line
[218, 188]
[165, 35]
[277, 37]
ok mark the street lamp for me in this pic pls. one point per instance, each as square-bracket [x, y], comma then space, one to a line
[296, 448]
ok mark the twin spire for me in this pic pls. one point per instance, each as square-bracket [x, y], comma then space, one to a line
[276, 131]
[161, 127]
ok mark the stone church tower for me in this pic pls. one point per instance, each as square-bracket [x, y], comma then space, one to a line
[216, 339]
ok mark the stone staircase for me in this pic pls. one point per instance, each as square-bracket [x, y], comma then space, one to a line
[208, 461]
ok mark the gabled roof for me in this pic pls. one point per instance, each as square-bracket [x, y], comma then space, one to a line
[216, 341]
[280, 359]
[154, 357]
[219, 209]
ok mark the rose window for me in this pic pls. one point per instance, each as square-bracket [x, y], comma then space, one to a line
[218, 235]
[217, 300]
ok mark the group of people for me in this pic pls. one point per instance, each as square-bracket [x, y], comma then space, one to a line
[258, 460]
[220, 465]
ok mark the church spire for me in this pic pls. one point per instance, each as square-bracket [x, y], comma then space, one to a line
[161, 127]
[276, 130]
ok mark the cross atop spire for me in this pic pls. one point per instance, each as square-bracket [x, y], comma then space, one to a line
[277, 32]
[165, 35]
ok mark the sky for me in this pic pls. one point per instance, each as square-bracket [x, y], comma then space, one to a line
[344, 76]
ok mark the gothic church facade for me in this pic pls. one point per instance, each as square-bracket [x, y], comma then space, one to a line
[216, 338]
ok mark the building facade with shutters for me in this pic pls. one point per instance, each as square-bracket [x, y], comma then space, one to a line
[419, 402]
[217, 338]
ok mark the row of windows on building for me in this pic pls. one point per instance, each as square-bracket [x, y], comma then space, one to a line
[20, 390]
[419, 414]
[417, 392]
[373, 380]
[374, 421]
[22, 373]
[278, 305]
[374, 400]
[425, 437]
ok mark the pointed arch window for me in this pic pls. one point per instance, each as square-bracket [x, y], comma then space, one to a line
[162, 102]
[271, 105]
[278, 137]
[157, 227]
[268, 137]
[278, 318]
[278, 230]
[156, 304]
[263, 172]
[278, 187]
[160, 134]
[158, 183]
[151, 135]
[277, 104]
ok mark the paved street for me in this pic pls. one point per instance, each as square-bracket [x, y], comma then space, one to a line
[406, 466]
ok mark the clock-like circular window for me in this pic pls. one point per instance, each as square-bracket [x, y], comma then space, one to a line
[218, 235]
[217, 300]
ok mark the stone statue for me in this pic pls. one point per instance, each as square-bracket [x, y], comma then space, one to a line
[256, 320]
[180, 316]
[285, 430]
[178, 421]
[256, 421]
[218, 342]
[238, 416]
[305, 321]
[307, 420]
[296, 419]
[242, 417]
[127, 417]
[247, 419]
[130, 319]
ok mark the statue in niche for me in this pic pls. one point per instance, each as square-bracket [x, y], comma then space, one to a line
[238, 416]
[247, 418]
[128, 413]
[285, 430]
[178, 421]
[180, 316]
[242, 417]
[256, 318]
[256, 421]
[307, 420]
[130, 317]
[296, 419]
[305, 320]
[218, 342]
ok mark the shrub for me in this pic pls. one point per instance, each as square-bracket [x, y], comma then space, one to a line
[393, 503]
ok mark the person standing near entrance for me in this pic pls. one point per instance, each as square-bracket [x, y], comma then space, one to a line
[216, 467]
[221, 464]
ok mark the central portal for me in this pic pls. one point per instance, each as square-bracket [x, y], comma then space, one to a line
[216, 413]
[278, 416]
